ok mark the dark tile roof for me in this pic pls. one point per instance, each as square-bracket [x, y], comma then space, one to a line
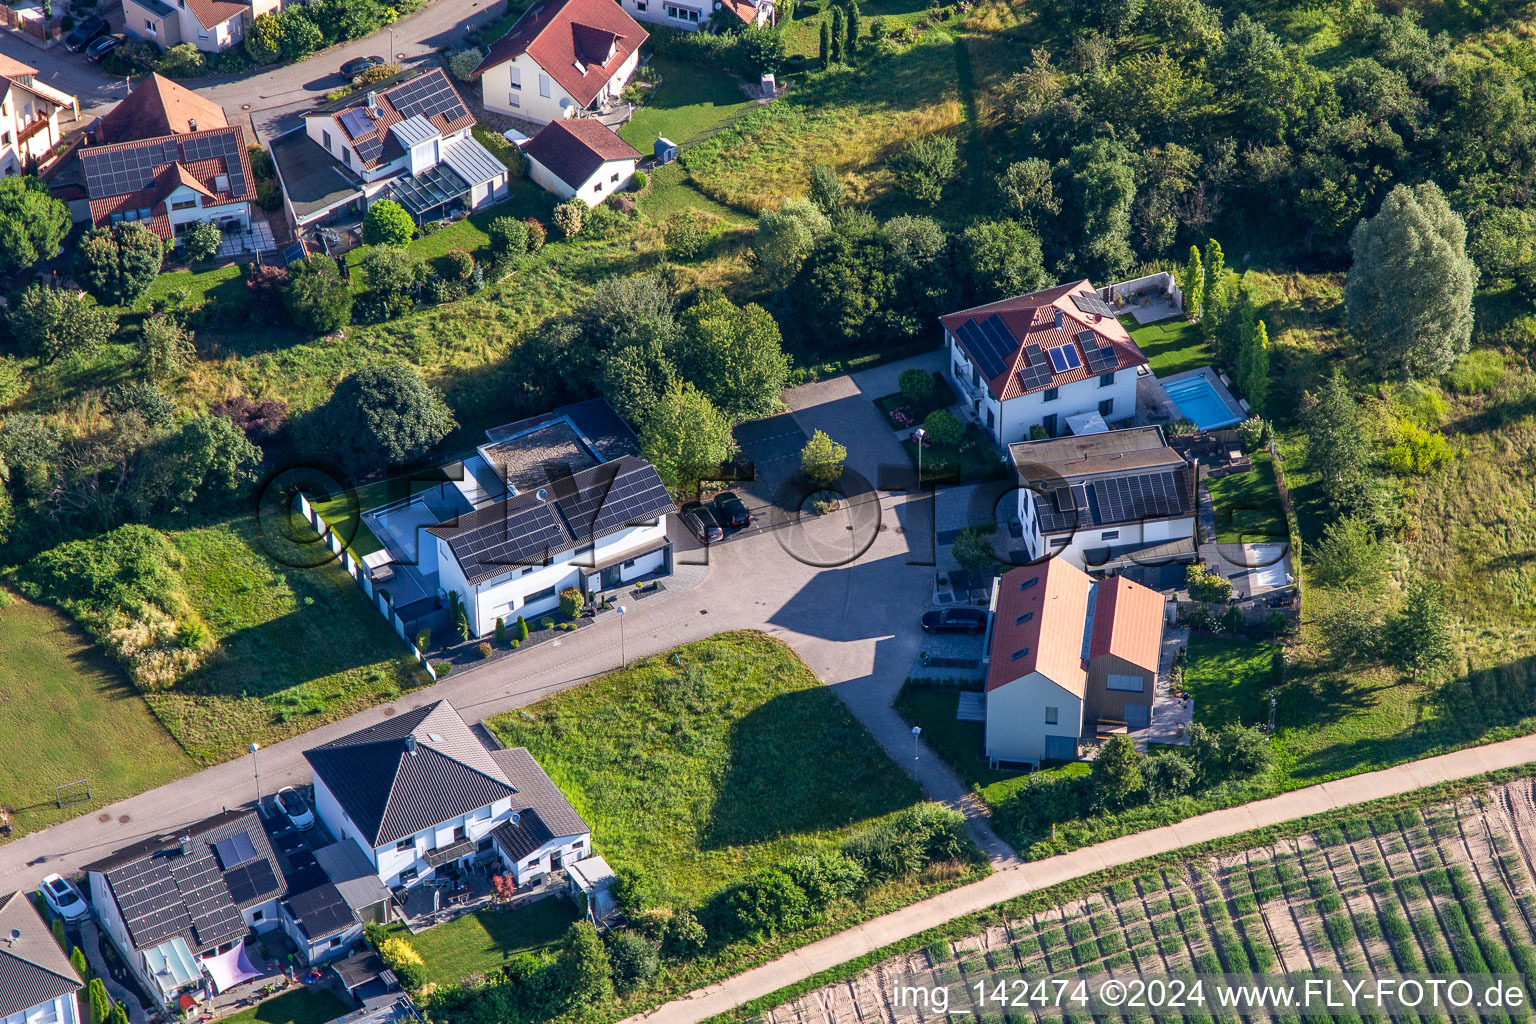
[164, 891]
[573, 150]
[359, 969]
[321, 912]
[578, 43]
[570, 511]
[410, 773]
[537, 792]
[33, 969]
[521, 837]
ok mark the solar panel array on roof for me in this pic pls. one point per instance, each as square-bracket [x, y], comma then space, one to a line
[249, 881]
[234, 851]
[1064, 358]
[368, 149]
[124, 170]
[356, 122]
[1092, 304]
[149, 901]
[223, 145]
[428, 96]
[1037, 374]
[635, 496]
[1129, 498]
[989, 343]
[1102, 358]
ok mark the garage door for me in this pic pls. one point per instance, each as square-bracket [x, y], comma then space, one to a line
[1138, 716]
[1061, 748]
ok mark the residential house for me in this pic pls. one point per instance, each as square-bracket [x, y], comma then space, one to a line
[165, 158]
[320, 922]
[693, 15]
[549, 502]
[562, 58]
[423, 798]
[407, 138]
[1035, 360]
[580, 158]
[1067, 655]
[210, 25]
[1106, 500]
[178, 907]
[29, 117]
[37, 983]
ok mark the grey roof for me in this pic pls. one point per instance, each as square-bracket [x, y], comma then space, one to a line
[521, 837]
[538, 795]
[164, 891]
[1076, 456]
[593, 419]
[349, 871]
[474, 163]
[312, 179]
[33, 969]
[321, 912]
[571, 511]
[410, 773]
[1113, 500]
[359, 968]
[414, 130]
[526, 461]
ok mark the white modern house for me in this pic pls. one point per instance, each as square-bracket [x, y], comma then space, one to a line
[1106, 500]
[693, 15]
[408, 139]
[1029, 363]
[561, 59]
[210, 25]
[580, 159]
[423, 799]
[178, 906]
[37, 983]
[1067, 652]
[29, 116]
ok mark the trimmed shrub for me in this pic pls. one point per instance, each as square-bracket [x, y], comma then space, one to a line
[571, 602]
[484, 649]
[401, 957]
[501, 630]
[521, 632]
[537, 234]
[509, 236]
[569, 217]
[387, 223]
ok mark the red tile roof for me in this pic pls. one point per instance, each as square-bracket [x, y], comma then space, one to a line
[1031, 319]
[389, 116]
[1128, 623]
[573, 150]
[215, 12]
[1051, 637]
[10, 67]
[198, 175]
[578, 43]
[158, 106]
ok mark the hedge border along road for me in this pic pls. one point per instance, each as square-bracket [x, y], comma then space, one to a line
[1247, 825]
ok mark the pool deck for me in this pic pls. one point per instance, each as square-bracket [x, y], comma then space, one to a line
[1239, 413]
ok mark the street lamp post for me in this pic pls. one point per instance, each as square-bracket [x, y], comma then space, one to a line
[256, 770]
[917, 731]
[391, 42]
[623, 661]
[918, 435]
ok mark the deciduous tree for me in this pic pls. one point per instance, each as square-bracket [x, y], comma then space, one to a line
[686, 437]
[735, 355]
[384, 415]
[387, 223]
[32, 223]
[1193, 283]
[53, 323]
[316, 296]
[999, 258]
[821, 459]
[117, 264]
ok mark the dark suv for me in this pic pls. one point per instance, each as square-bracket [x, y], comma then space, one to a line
[955, 620]
[731, 510]
[85, 33]
[701, 522]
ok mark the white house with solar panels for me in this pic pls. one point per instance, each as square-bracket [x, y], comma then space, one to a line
[549, 502]
[1055, 361]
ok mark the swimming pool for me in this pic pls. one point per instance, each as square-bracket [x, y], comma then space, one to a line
[1200, 403]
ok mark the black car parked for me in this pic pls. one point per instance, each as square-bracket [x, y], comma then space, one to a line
[731, 510]
[955, 620]
[103, 46]
[701, 521]
[86, 32]
[357, 65]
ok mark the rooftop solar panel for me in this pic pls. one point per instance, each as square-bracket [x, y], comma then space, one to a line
[1064, 358]
[1092, 304]
[1102, 359]
[356, 122]
[368, 149]
[982, 349]
[234, 851]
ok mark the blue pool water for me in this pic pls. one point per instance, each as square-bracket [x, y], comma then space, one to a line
[1201, 405]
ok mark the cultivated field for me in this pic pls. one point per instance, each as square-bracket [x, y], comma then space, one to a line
[1447, 890]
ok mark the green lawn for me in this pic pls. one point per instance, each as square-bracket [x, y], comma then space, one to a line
[80, 717]
[300, 1006]
[481, 942]
[1228, 677]
[1171, 346]
[219, 284]
[1247, 506]
[698, 774]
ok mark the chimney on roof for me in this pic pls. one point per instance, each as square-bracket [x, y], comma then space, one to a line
[186, 845]
[410, 744]
[192, 124]
[373, 103]
[1059, 319]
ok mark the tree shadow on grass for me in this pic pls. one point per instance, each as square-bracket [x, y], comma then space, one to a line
[800, 764]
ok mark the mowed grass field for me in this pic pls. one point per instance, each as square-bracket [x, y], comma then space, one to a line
[699, 773]
[482, 942]
[76, 716]
[1247, 506]
[299, 1006]
[1171, 346]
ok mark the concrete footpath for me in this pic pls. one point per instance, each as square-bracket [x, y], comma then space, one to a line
[1020, 879]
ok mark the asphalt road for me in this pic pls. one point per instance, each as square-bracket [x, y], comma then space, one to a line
[853, 623]
[267, 100]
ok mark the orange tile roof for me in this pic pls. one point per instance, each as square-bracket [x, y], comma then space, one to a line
[578, 43]
[215, 12]
[199, 175]
[389, 147]
[158, 106]
[1128, 623]
[1031, 319]
[1051, 637]
[10, 67]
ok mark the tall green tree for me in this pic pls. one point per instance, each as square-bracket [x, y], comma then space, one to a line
[100, 1003]
[785, 237]
[1215, 267]
[583, 972]
[1193, 283]
[32, 223]
[1028, 191]
[53, 323]
[1253, 368]
[925, 166]
[264, 39]
[1102, 179]
[1419, 638]
[1337, 445]
[839, 34]
[826, 189]
[316, 296]
[735, 355]
[117, 264]
[1000, 258]
[1115, 774]
[826, 46]
[853, 26]
[686, 437]
[1350, 557]
[165, 348]
[384, 415]
[1408, 294]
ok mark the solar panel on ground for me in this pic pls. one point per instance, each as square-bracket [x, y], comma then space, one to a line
[1092, 304]
[293, 253]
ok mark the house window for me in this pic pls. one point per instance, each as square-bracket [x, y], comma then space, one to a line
[1106, 407]
[544, 86]
[514, 100]
[539, 595]
[1051, 715]
[258, 915]
[149, 26]
[1049, 424]
[515, 77]
[460, 833]
[325, 138]
[1059, 542]
[528, 569]
[1016, 655]
[615, 176]
[598, 187]
[1051, 394]
[640, 5]
[1130, 684]
[629, 564]
[1023, 618]
[1106, 379]
[989, 419]
[335, 941]
[346, 157]
[1109, 535]
[185, 204]
[1029, 582]
[405, 844]
[682, 14]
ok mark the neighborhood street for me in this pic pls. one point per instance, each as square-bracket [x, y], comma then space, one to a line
[855, 626]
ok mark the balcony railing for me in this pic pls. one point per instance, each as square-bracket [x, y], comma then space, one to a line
[31, 128]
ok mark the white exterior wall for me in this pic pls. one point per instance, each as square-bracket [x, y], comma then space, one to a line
[104, 906]
[326, 948]
[63, 1010]
[1078, 543]
[336, 820]
[527, 99]
[1013, 419]
[592, 191]
[537, 864]
[1016, 726]
[18, 108]
[391, 860]
[240, 212]
[263, 916]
